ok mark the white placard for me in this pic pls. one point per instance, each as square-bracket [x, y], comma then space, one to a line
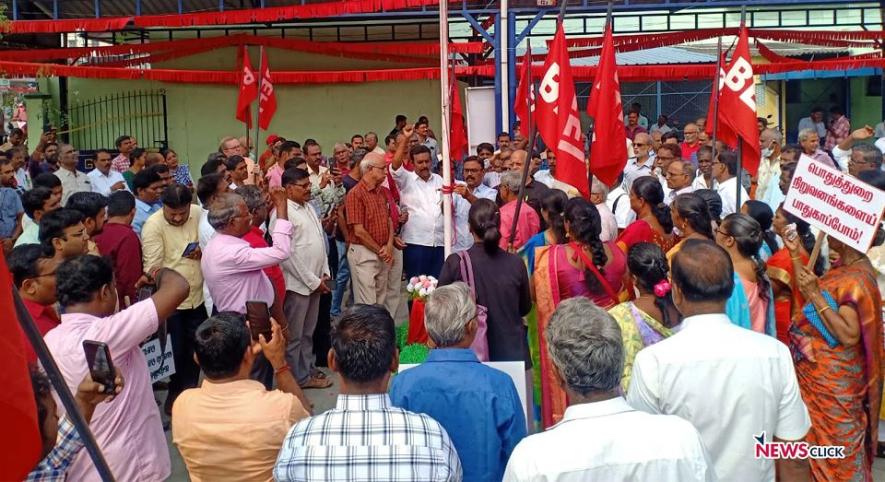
[838, 204]
[480, 116]
[151, 352]
[516, 372]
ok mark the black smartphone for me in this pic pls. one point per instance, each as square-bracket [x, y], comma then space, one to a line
[101, 368]
[190, 248]
[258, 316]
[144, 293]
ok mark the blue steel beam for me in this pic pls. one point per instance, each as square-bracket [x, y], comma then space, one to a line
[528, 28]
[512, 43]
[498, 57]
[477, 26]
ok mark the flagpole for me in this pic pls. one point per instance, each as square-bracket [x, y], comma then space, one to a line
[716, 80]
[61, 388]
[740, 143]
[446, 122]
[258, 110]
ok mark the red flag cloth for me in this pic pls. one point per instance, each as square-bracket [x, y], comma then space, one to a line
[723, 131]
[18, 412]
[737, 102]
[608, 148]
[525, 93]
[248, 87]
[458, 133]
[267, 101]
[557, 117]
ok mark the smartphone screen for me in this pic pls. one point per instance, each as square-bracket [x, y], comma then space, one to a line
[259, 319]
[101, 368]
[190, 248]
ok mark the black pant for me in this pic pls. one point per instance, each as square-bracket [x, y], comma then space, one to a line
[182, 326]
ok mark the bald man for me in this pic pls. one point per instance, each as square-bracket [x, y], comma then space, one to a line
[680, 176]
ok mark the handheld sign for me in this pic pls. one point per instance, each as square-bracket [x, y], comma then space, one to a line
[838, 204]
[160, 364]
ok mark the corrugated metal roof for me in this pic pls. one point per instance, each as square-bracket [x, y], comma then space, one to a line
[659, 55]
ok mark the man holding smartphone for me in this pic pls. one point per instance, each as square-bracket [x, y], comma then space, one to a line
[170, 240]
[306, 272]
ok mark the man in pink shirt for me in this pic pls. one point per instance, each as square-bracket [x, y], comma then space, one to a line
[288, 150]
[128, 429]
[232, 269]
[528, 224]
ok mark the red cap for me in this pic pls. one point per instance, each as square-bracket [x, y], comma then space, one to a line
[271, 139]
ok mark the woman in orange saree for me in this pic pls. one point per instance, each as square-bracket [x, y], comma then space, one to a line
[585, 267]
[653, 222]
[788, 301]
[837, 341]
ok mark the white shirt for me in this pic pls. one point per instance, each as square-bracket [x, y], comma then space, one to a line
[492, 179]
[842, 157]
[547, 179]
[206, 232]
[379, 150]
[673, 193]
[727, 192]
[608, 223]
[819, 127]
[72, 182]
[662, 129]
[102, 184]
[484, 192]
[700, 183]
[624, 214]
[463, 238]
[612, 441]
[309, 260]
[730, 383]
[422, 200]
[23, 178]
[881, 145]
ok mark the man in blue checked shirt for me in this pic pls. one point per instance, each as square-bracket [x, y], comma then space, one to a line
[477, 405]
[365, 437]
[61, 442]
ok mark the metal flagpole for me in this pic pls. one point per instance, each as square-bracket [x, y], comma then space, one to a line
[446, 123]
[740, 144]
[716, 80]
[61, 388]
[258, 110]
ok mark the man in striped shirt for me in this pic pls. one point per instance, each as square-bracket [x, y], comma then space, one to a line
[364, 437]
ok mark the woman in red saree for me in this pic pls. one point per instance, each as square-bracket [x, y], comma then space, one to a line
[788, 301]
[653, 223]
[837, 340]
[585, 267]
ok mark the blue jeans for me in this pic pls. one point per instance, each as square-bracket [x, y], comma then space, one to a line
[342, 276]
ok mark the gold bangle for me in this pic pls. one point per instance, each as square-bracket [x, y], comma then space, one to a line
[821, 310]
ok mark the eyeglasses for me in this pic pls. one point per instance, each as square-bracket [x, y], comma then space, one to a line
[639, 144]
[302, 185]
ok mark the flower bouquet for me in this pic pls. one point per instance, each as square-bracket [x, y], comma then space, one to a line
[419, 288]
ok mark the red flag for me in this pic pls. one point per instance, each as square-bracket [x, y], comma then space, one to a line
[557, 118]
[525, 94]
[737, 102]
[248, 87]
[18, 412]
[267, 101]
[458, 133]
[723, 131]
[608, 148]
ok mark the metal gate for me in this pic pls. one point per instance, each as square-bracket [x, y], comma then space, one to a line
[682, 101]
[95, 124]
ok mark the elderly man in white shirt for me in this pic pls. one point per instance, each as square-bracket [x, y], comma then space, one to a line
[71, 179]
[421, 196]
[618, 202]
[733, 384]
[306, 272]
[679, 176]
[724, 170]
[104, 179]
[641, 165]
[814, 122]
[598, 196]
[601, 437]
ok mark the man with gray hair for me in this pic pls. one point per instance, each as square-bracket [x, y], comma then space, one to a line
[528, 223]
[810, 142]
[477, 405]
[598, 194]
[585, 346]
[770, 143]
[232, 269]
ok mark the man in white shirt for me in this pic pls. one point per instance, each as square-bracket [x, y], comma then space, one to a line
[769, 165]
[372, 143]
[680, 176]
[306, 272]
[465, 195]
[71, 179]
[731, 383]
[850, 155]
[641, 165]
[601, 437]
[618, 202]
[547, 176]
[105, 180]
[772, 194]
[598, 196]
[724, 170]
[661, 126]
[815, 122]
[420, 195]
[704, 178]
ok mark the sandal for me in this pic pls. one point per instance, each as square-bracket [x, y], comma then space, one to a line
[315, 382]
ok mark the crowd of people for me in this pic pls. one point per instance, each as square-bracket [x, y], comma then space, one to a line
[667, 324]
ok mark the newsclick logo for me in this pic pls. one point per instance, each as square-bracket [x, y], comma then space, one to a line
[795, 450]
